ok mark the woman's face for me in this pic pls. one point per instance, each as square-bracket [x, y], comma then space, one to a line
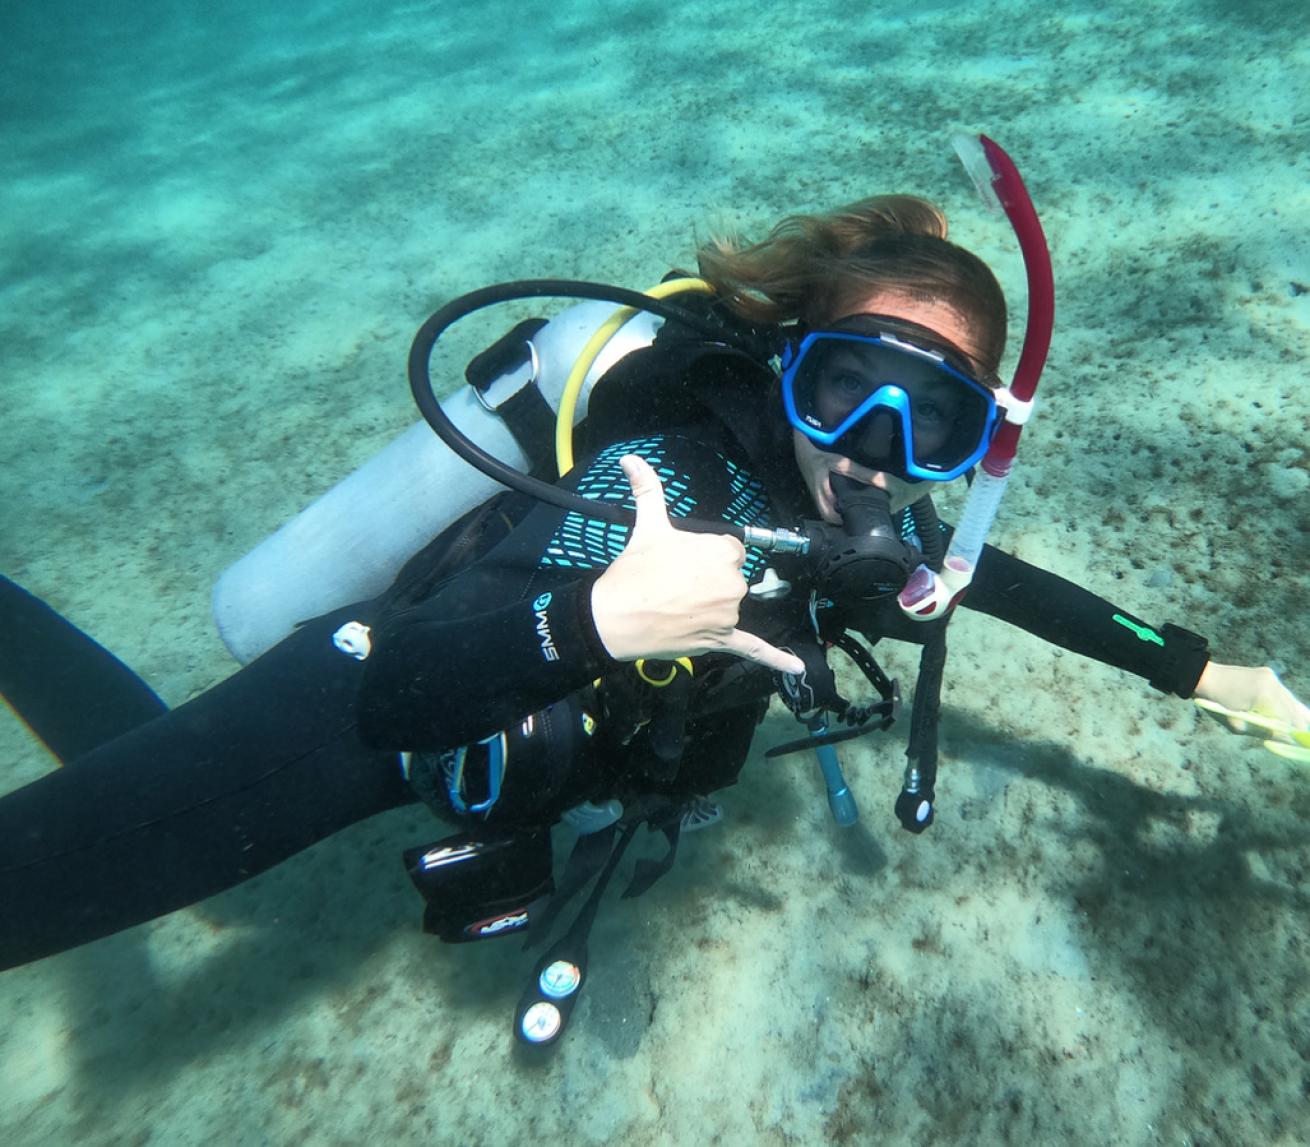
[817, 466]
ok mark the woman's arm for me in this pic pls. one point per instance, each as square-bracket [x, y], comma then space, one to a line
[545, 612]
[440, 674]
[1247, 700]
[1063, 613]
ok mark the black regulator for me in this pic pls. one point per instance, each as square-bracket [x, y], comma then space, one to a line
[865, 558]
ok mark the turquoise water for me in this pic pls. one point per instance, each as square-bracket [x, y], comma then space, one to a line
[220, 230]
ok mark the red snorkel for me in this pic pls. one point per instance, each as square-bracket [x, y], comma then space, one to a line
[929, 595]
[1006, 191]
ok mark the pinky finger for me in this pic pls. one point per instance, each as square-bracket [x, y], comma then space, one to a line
[756, 649]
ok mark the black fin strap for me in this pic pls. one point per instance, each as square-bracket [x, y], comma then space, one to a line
[649, 871]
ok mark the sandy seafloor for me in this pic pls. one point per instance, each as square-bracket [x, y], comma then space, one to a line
[220, 231]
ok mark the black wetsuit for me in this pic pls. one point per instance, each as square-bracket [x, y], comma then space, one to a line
[154, 810]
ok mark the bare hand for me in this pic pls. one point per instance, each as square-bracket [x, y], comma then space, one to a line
[675, 594]
[1252, 701]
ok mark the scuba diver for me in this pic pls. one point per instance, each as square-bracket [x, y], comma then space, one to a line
[548, 658]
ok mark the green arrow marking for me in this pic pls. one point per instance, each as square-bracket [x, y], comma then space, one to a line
[1144, 632]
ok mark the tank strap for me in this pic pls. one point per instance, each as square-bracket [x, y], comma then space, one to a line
[526, 412]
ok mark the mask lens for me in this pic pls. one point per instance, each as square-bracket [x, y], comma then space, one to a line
[887, 407]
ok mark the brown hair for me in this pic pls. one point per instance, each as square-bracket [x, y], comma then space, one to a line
[819, 268]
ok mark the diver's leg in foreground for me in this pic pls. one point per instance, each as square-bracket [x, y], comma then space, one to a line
[72, 692]
[192, 802]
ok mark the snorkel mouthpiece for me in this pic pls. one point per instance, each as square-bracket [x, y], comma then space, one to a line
[929, 595]
[973, 154]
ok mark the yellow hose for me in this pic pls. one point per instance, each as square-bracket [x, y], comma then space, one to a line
[568, 402]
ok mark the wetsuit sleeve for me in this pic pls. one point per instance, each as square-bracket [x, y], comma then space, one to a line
[436, 680]
[1067, 615]
[514, 632]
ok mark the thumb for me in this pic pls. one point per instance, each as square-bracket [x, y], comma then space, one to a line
[647, 494]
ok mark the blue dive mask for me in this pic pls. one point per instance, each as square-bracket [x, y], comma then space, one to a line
[891, 396]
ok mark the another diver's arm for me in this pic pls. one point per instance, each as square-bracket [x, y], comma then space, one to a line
[1248, 700]
[1242, 688]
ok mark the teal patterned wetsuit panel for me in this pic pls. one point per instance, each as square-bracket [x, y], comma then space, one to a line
[586, 543]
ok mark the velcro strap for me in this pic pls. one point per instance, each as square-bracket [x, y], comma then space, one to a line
[527, 414]
[1182, 661]
[532, 422]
